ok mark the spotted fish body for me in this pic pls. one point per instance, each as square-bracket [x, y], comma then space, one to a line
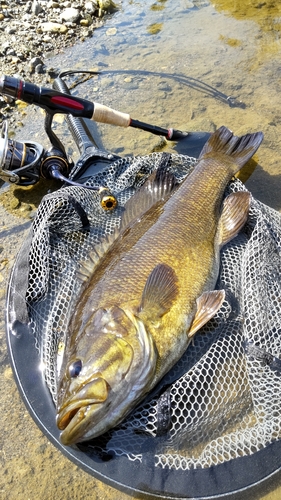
[149, 288]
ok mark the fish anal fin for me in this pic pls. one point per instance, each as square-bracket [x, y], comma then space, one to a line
[233, 217]
[207, 305]
[160, 291]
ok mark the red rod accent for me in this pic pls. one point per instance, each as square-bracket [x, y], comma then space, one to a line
[170, 133]
[20, 87]
[67, 102]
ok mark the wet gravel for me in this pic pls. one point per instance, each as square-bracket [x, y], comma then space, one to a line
[31, 32]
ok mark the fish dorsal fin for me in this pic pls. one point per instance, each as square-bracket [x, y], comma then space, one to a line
[159, 293]
[207, 305]
[234, 215]
[159, 185]
[87, 266]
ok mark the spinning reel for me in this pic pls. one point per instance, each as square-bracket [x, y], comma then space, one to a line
[23, 163]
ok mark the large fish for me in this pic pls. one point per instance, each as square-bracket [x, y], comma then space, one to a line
[149, 288]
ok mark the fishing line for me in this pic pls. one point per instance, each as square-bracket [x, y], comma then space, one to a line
[194, 83]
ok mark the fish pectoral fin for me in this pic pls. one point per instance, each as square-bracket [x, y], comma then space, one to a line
[233, 217]
[207, 305]
[160, 291]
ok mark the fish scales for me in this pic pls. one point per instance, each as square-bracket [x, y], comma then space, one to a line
[178, 236]
[149, 290]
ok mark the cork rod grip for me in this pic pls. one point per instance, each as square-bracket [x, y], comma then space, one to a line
[103, 114]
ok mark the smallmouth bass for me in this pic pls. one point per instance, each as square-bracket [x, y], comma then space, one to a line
[149, 288]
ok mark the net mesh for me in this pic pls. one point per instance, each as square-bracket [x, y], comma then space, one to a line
[222, 399]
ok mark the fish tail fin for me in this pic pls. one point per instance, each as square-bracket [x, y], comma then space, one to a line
[241, 149]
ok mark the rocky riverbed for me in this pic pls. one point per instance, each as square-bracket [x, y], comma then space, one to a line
[32, 31]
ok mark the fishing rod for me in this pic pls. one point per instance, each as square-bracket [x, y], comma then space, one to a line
[54, 102]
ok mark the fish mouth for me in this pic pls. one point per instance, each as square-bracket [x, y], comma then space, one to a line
[73, 422]
[77, 413]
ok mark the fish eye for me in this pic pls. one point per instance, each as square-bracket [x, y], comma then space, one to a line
[75, 368]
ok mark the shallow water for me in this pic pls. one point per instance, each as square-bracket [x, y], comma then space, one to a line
[172, 64]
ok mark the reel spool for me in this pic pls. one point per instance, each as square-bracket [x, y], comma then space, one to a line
[19, 160]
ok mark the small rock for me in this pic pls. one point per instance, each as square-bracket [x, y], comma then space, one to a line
[87, 33]
[5, 46]
[36, 8]
[10, 52]
[165, 87]
[10, 30]
[39, 69]
[35, 61]
[90, 7]
[69, 24]
[111, 31]
[70, 15]
[15, 60]
[14, 203]
[47, 38]
[28, 6]
[26, 17]
[84, 22]
[50, 27]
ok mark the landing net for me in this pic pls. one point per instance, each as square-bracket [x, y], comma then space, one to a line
[222, 399]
